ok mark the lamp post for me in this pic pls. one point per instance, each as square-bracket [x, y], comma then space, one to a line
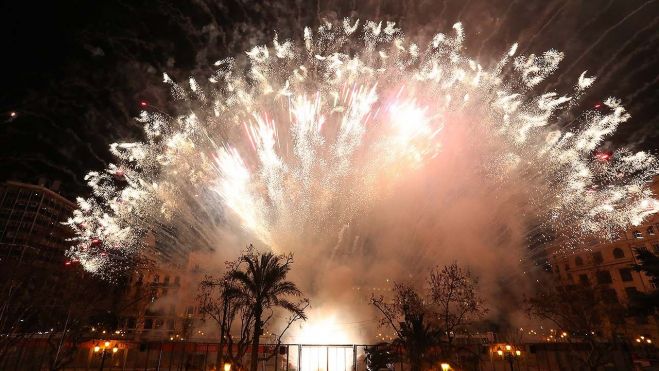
[510, 354]
[645, 343]
[105, 348]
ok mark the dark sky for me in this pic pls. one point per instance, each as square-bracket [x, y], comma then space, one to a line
[75, 71]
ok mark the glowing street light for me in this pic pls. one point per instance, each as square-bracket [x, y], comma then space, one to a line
[509, 353]
[227, 366]
[445, 366]
[104, 350]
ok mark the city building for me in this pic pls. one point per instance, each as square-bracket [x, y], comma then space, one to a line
[160, 300]
[609, 266]
[31, 228]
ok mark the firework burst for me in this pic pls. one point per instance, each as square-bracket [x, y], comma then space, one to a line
[293, 142]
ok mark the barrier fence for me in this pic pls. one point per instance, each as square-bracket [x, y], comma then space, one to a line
[37, 354]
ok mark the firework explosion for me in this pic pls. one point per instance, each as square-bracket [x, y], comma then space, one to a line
[303, 146]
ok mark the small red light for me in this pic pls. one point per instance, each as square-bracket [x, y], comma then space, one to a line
[598, 105]
[12, 114]
[143, 103]
[68, 262]
[603, 156]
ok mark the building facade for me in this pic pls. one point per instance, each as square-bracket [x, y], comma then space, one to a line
[609, 266]
[160, 300]
[31, 228]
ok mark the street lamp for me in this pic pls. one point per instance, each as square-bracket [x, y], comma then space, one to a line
[445, 366]
[645, 344]
[510, 354]
[103, 350]
[227, 366]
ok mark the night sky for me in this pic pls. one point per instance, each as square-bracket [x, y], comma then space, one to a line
[75, 71]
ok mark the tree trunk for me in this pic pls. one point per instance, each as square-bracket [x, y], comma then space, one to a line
[415, 364]
[223, 333]
[255, 339]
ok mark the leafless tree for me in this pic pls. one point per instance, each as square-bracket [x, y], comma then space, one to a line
[411, 319]
[59, 307]
[586, 314]
[425, 323]
[454, 293]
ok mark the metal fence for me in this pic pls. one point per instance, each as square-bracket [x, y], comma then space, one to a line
[178, 355]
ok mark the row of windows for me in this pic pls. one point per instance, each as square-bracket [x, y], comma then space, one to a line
[604, 277]
[598, 258]
[609, 294]
[648, 231]
[156, 280]
[189, 310]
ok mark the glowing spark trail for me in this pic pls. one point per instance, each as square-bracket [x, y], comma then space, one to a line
[293, 142]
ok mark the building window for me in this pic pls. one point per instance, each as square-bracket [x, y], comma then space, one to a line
[603, 277]
[583, 279]
[578, 261]
[597, 258]
[631, 292]
[626, 274]
[618, 253]
[148, 324]
[610, 296]
[637, 234]
[166, 280]
[650, 231]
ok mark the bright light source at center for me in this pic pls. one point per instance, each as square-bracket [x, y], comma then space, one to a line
[323, 331]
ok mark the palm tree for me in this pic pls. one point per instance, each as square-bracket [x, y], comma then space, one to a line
[261, 277]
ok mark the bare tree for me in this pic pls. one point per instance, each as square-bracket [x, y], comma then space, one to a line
[60, 307]
[410, 317]
[585, 314]
[426, 323]
[220, 300]
[454, 292]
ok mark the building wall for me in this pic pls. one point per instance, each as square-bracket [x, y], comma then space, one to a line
[31, 226]
[161, 303]
[609, 264]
